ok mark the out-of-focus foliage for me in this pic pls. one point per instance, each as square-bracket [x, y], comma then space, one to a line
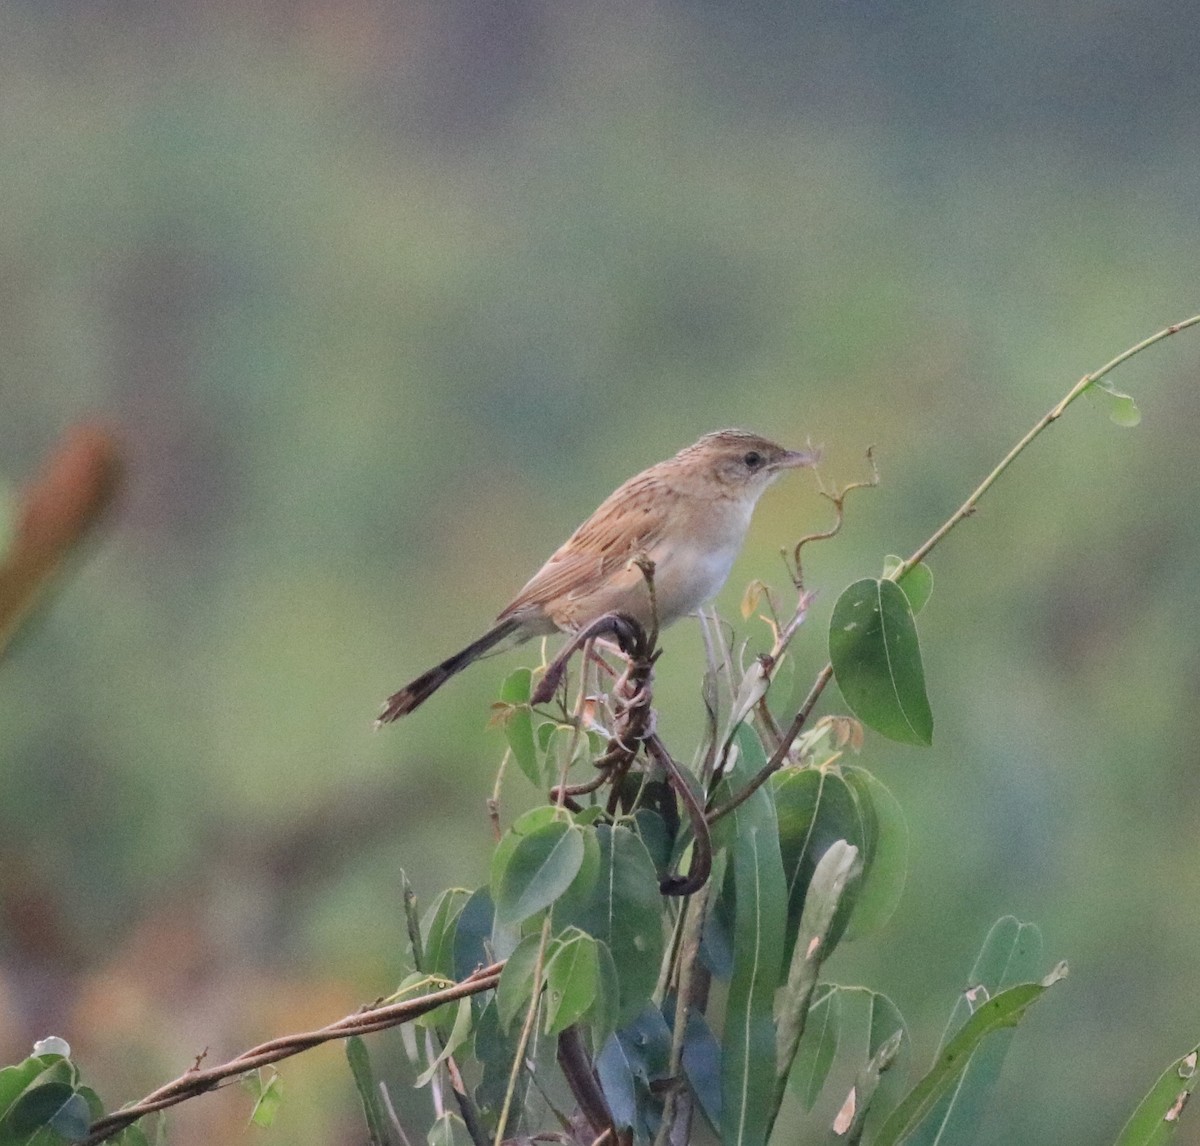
[384, 298]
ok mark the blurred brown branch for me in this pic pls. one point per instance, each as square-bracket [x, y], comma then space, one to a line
[197, 1081]
[56, 510]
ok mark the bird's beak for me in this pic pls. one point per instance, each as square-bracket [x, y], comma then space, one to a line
[798, 459]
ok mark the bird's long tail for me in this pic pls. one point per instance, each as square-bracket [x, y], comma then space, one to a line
[418, 691]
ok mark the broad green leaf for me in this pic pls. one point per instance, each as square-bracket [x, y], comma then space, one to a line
[518, 723]
[817, 1049]
[999, 1013]
[748, 1101]
[1121, 408]
[438, 930]
[449, 1130]
[572, 980]
[917, 583]
[816, 808]
[615, 1069]
[625, 913]
[652, 829]
[579, 892]
[701, 1061]
[630, 1064]
[73, 1119]
[603, 1017]
[522, 826]
[470, 948]
[886, 868]
[36, 1108]
[876, 660]
[1156, 1118]
[494, 1051]
[368, 1091]
[516, 988]
[1011, 954]
[540, 868]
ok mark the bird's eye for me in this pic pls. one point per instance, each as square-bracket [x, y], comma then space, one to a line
[753, 459]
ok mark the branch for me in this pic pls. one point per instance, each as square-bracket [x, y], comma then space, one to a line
[195, 1082]
[922, 551]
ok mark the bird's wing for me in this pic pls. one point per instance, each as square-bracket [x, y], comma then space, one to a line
[627, 523]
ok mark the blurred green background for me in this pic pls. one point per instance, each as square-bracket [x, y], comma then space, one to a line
[383, 298]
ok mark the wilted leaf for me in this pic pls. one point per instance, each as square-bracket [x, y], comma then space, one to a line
[1121, 408]
[1156, 1118]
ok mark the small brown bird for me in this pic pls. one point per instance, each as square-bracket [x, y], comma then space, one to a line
[688, 515]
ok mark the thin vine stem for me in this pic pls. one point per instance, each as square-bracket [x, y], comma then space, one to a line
[922, 551]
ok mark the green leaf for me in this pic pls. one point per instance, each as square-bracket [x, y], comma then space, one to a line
[816, 808]
[267, 1097]
[852, 1116]
[37, 1107]
[886, 868]
[449, 1130]
[473, 934]
[1011, 954]
[522, 826]
[999, 1013]
[1156, 1118]
[615, 1069]
[542, 866]
[518, 723]
[438, 929]
[629, 1066]
[135, 1136]
[748, 1100]
[368, 1091]
[817, 1049]
[579, 893]
[1121, 408]
[876, 660]
[701, 1061]
[516, 987]
[625, 913]
[459, 1034]
[917, 582]
[603, 1017]
[572, 980]
[495, 1051]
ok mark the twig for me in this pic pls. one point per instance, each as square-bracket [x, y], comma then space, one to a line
[923, 550]
[526, 1031]
[194, 1082]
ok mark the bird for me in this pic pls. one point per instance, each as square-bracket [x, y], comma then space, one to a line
[687, 516]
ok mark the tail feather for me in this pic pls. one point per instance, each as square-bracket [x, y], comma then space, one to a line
[418, 691]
